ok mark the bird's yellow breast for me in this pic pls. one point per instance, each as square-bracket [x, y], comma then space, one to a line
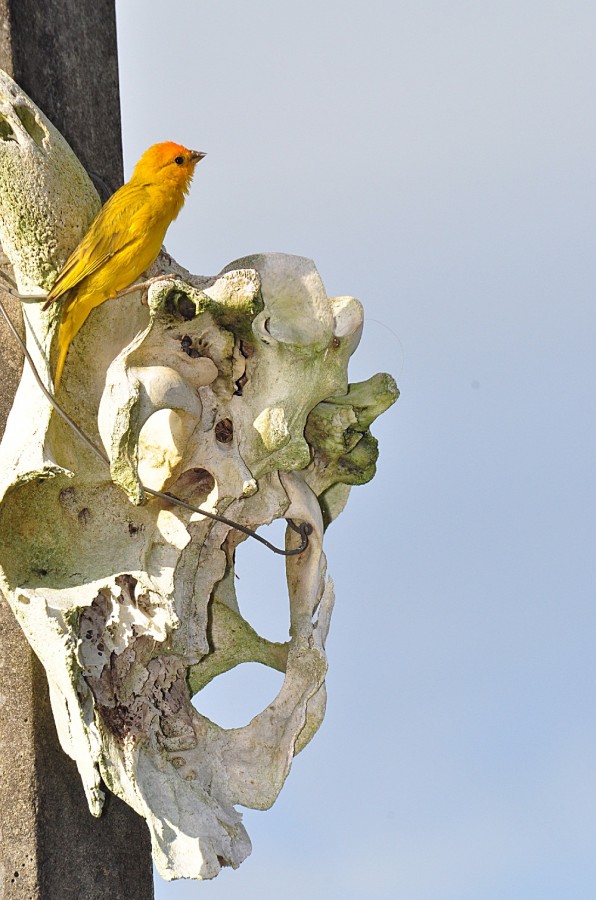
[134, 248]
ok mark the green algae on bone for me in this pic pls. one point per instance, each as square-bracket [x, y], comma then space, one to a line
[233, 641]
[337, 429]
[234, 310]
[47, 201]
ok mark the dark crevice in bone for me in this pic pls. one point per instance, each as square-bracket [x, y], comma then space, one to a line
[6, 132]
[31, 125]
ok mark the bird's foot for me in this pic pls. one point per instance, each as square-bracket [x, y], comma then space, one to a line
[144, 286]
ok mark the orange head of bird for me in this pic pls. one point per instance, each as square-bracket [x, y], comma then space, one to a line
[169, 164]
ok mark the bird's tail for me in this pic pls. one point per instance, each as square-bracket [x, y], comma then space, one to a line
[74, 313]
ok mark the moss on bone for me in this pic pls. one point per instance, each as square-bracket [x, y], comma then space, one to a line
[332, 430]
[47, 527]
[233, 641]
[31, 534]
[46, 198]
[359, 465]
[233, 308]
[344, 451]
[355, 410]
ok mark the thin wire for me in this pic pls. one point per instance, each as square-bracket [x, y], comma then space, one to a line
[304, 529]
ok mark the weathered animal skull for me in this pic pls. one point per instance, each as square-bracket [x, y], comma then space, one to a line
[231, 393]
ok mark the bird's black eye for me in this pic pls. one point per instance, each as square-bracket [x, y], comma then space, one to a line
[179, 160]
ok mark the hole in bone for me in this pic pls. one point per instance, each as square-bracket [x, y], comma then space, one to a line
[261, 587]
[162, 441]
[179, 304]
[127, 585]
[187, 347]
[237, 696]
[224, 431]
[240, 384]
[194, 485]
[6, 132]
[30, 124]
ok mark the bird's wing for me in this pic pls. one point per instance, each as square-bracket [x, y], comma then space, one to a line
[108, 234]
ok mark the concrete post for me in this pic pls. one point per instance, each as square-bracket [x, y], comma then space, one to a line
[63, 54]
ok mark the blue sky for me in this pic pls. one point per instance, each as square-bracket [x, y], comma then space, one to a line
[436, 160]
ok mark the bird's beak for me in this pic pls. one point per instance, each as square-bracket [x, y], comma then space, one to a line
[196, 155]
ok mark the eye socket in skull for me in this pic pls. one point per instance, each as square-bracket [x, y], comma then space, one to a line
[235, 697]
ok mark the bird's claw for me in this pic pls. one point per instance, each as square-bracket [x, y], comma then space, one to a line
[145, 285]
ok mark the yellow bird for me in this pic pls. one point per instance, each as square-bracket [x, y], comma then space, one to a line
[123, 240]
